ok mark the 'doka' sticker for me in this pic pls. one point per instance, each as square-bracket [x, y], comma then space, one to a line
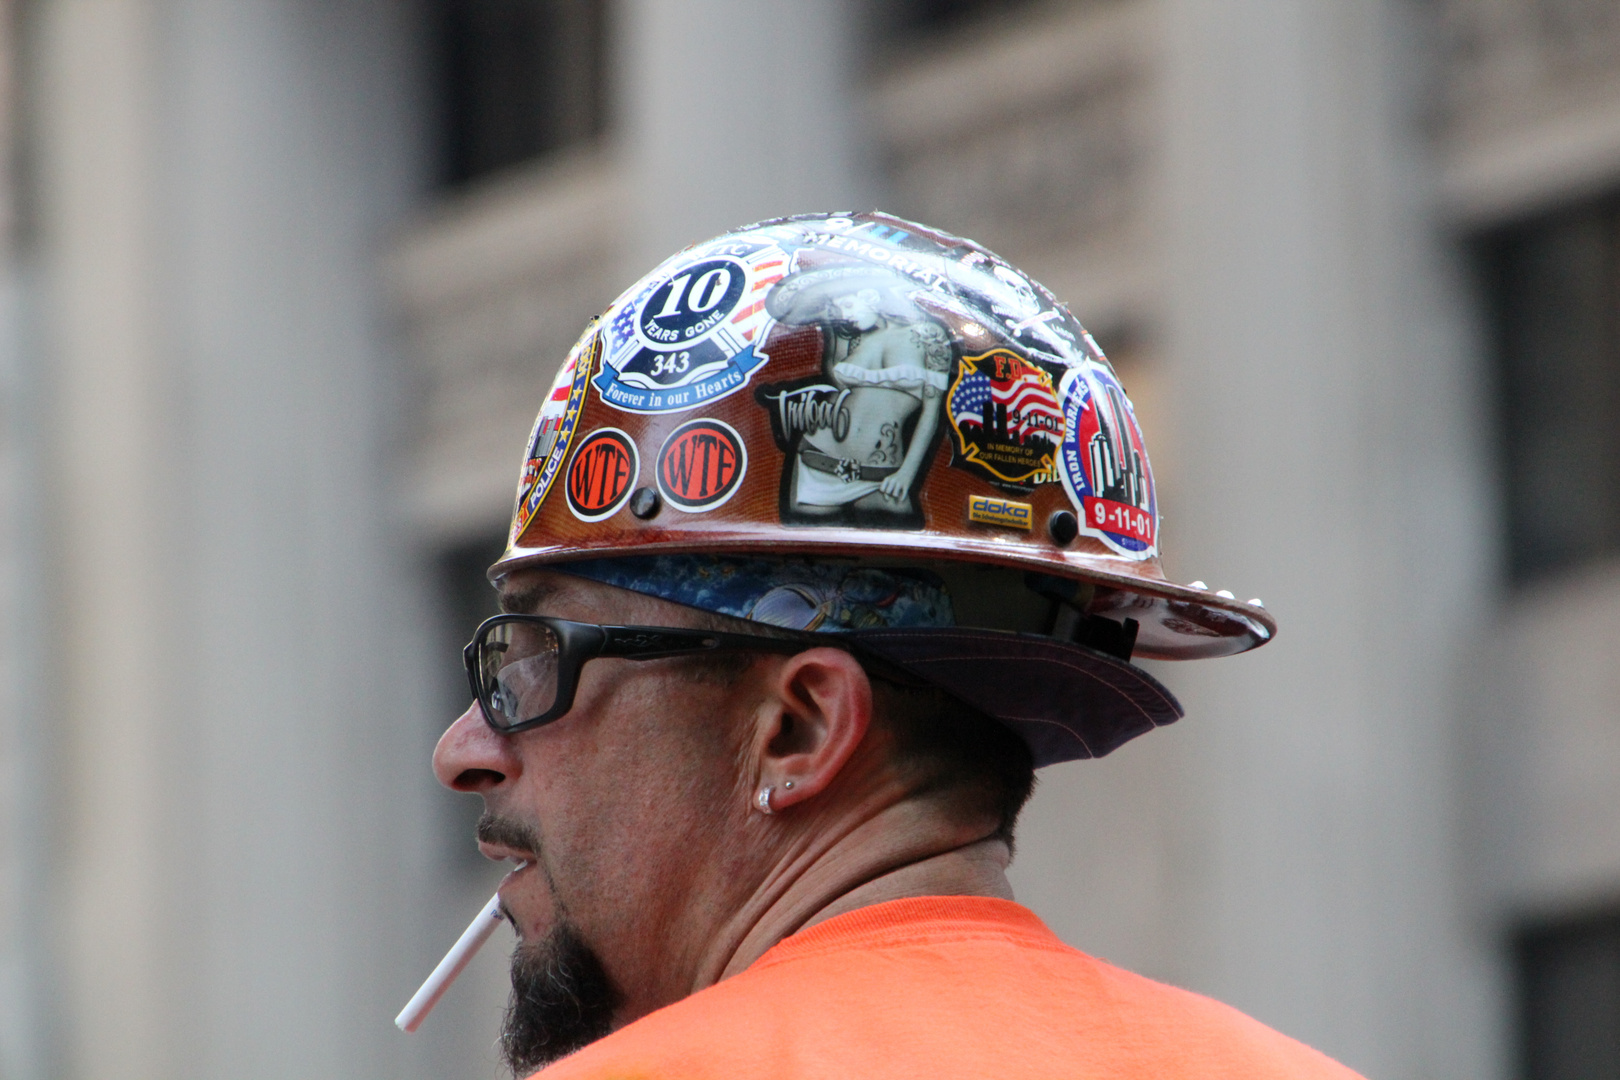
[694, 331]
[553, 430]
[1104, 464]
[701, 465]
[602, 474]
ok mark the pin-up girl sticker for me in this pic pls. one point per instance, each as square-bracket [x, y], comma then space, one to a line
[858, 436]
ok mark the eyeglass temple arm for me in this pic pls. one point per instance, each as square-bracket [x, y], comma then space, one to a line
[652, 643]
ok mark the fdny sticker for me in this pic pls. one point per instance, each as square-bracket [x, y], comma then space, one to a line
[602, 474]
[1005, 413]
[701, 465]
[1104, 464]
[554, 429]
[694, 331]
[989, 510]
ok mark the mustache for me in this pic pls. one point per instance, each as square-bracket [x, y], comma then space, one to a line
[508, 832]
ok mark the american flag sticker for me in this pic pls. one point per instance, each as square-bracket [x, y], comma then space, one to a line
[1004, 410]
[554, 430]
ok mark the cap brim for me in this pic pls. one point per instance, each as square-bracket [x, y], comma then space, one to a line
[1175, 622]
[1066, 701]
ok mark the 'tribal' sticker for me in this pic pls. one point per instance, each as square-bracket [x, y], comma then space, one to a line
[701, 465]
[602, 474]
[694, 331]
[1104, 463]
[554, 430]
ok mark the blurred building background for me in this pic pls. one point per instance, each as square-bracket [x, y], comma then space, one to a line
[282, 282]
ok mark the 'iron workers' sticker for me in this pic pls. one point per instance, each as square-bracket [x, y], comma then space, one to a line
[554, 429]
[1004, 410]
[602, 474]
[701, 465]
[692, 332]
[1104, 463]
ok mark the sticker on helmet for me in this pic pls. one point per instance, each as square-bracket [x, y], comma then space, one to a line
[554, 429]
[701, 465]
[990, 510]
[1104, 463]
[602, 474]
[1005, 413]
[858, 438]
[693, 332]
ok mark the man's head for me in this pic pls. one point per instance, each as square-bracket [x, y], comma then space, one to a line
[640, 812]
[708, 457]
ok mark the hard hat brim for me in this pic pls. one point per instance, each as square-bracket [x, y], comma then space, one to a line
[1176, 622]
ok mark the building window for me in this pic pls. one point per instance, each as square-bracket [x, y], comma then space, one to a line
[1569, 999]
[517, 79]
[1554, 292]
[900, 24]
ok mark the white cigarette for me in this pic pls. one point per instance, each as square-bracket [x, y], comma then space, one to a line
[455, 961]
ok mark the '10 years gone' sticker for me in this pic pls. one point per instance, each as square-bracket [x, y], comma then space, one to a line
[692, 333]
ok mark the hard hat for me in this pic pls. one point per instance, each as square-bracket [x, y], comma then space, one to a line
[862, 388]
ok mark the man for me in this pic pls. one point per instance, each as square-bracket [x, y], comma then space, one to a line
[764, 774]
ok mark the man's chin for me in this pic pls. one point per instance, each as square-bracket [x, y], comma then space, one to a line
[562, 1000]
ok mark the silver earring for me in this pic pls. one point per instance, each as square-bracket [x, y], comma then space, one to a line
[788, 785]
[765, 800]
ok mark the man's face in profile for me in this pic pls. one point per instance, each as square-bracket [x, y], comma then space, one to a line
[619, 807]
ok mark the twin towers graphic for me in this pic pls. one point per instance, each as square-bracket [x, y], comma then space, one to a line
[1117, 471]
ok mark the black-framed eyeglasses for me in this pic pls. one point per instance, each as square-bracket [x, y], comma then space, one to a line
[523, 669]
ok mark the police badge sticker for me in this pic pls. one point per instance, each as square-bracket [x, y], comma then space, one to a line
[693, 332]
[1005, 415]
[1103, 463]
[554, 430]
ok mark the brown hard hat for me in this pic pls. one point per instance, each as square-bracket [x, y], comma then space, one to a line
[860, 386]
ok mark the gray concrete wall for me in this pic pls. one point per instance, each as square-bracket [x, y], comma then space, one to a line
[730, 113]
[236, 617]
[1293, 846]
[1329, 418]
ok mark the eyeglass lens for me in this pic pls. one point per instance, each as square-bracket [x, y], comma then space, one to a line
[517, 665]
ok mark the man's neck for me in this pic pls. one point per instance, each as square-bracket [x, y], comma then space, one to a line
[909, 849]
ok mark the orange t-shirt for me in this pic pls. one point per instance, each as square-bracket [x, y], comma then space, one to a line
[939, 988]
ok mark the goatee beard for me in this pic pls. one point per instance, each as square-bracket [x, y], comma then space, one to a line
[562, 1000]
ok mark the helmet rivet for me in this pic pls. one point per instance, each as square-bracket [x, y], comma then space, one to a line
[645, 503]
[1063, 527]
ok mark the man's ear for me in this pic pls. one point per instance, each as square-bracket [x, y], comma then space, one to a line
[817, 708]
